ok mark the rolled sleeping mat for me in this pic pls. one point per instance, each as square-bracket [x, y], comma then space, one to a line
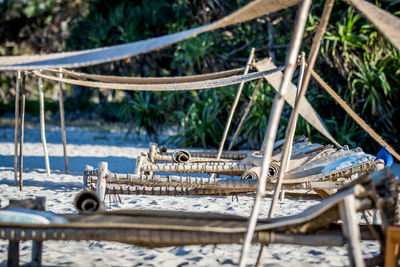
[255, 172]
[88, 201]
[162, 149]
[181, 156]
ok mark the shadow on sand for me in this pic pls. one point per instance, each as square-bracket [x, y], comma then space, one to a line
[76, 164]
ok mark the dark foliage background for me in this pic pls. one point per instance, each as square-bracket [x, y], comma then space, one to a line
[360, 64]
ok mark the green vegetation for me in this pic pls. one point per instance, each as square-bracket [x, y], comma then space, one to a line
[356, 60]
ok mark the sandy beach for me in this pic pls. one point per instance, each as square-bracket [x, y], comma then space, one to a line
[88, 147]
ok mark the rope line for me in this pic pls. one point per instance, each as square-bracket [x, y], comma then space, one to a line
[166, 87]
[354, 115]
[146, 80]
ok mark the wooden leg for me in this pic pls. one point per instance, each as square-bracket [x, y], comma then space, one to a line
[152, 154]
[101, 181]
[282, 195]
[85, 177]
[260, 255]
[13, 254]
[139, 163]
[351, 230]
[37, 248]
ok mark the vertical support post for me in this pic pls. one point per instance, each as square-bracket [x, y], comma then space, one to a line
[139, 163]
[273, 122]
[101, 181]
[351, 230]
[62, 119]
[13, 254]
[16, 119]
[42, 126]
[85, 177]
[152, 154]
[295, 112]
[21, 138]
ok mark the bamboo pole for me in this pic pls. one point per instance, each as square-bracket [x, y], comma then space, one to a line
[62, 120]
[17, 93]
[234, 105]
[233, 109]
[42, 126]
[21, 138]
[246, 112]
[260, 255]
[351, 230]
[285, 159]
[354, 115]
[101, 182]
[295, 112]
[85, 177]
[273, 122]
[287, 149]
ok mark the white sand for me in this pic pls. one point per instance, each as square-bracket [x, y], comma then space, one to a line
[88, 147]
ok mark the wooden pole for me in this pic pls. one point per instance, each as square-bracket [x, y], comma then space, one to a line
[101, 182]
[295, 112]
[274, 121]
[351, 230]
[234, 105]
[246, 112]
[16, 119]
[139, 163]
[354, 115]
[233, 109]
[62, 119]
[260, 255]
[287, 151]
[42, 126]
[152, 154]
[85, 177]
[21, 138]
